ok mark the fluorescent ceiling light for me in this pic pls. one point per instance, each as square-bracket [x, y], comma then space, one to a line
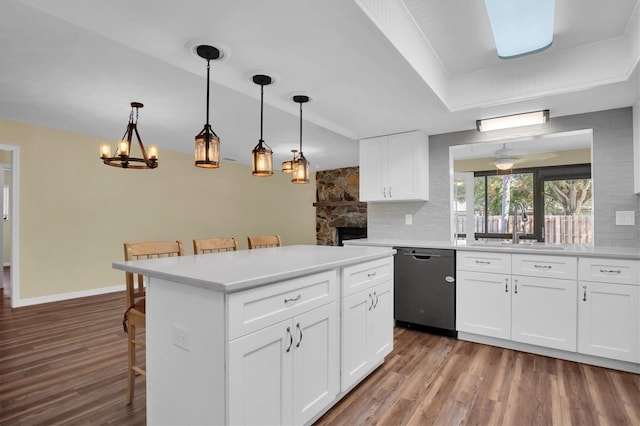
[521, 27]
[517, 120]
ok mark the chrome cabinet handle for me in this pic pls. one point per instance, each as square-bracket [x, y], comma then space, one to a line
[376, 295]
[516, 287]
[300, 330]
[390, 196]
[371, 275]
[290, 339]
[371, 298]
[610, 271]
[584, 296]
[506, 285]
[542, 266]
[295, 299]
[483, 262]
[384, 191]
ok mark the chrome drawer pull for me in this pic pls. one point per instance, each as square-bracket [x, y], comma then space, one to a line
[483, 262]
[295, 299]
[584, 297]
[610, 271]
[542, 266]
[371, 275]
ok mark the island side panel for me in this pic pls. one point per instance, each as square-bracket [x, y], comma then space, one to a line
[185, 354]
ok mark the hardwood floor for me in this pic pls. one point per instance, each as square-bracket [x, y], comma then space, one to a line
[65, 363]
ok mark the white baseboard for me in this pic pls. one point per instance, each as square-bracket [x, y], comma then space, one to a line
[16, 303]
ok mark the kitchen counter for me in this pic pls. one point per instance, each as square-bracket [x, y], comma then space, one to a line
[229, 272]
[579, 250]
[224, 331]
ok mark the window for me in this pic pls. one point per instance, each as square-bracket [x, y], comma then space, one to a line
[558, 201]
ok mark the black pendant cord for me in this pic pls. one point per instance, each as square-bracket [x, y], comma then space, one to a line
[300, 128]
[208, 70]
[261, 108]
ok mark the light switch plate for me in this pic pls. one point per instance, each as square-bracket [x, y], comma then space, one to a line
[625, 218]
[408, 219]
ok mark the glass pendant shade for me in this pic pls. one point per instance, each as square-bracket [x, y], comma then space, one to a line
[262, 160]
[287, 166]
[207, 149]
[300, 170]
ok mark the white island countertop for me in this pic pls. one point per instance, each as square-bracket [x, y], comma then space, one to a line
[233, 271]
[581, 250]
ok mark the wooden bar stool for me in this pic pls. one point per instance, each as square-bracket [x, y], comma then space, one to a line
[263, 241]
[134, 316]
[214, 245]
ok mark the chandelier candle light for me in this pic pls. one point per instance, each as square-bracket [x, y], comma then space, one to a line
[123, 158]
[300, 163]
[262, 155]
[207, 142]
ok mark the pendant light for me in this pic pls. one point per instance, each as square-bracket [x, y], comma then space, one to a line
[262, 155]
[207, 142]
[123, 156]
[287, 166]
[300, 167]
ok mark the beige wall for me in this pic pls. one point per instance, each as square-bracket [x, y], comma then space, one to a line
[75, 212]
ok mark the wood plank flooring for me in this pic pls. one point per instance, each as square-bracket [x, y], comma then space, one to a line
[64, 363]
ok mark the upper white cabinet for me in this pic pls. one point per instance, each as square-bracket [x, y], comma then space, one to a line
[395, 168]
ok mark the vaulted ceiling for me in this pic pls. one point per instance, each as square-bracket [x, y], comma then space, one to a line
[371, 67]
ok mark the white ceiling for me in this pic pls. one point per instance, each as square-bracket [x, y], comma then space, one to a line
[371, 67]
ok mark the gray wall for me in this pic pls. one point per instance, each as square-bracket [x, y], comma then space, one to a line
[612, 178]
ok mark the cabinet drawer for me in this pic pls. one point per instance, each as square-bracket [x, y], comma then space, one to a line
[620, 271]
[255, 309]
[563, 267]
[483, 262]
[365, 275]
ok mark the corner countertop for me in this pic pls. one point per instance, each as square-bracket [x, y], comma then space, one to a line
[234, 271]
[580, 250]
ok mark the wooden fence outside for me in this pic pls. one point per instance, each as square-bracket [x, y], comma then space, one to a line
[557, 229]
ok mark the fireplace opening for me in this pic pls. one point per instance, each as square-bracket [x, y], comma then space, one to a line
[350, 233]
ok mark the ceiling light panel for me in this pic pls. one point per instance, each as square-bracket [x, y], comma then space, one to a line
[521, 27]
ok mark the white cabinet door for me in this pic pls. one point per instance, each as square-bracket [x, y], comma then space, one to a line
[367, 331]
[259, 394]
[543, 312]
[407, 167]
[380, 322]
[316, 369]
[483, 304]
[609, 320]
[373, 158]
[355, 358]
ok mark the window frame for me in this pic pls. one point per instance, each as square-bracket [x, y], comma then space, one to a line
[540, 175]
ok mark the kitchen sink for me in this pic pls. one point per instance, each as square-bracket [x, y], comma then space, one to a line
[508, 244]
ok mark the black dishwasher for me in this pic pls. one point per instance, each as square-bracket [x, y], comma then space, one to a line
[425, 289]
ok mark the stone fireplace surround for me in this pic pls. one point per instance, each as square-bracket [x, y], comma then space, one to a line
[337, 205]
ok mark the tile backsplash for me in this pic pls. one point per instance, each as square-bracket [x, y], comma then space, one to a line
[612, 179]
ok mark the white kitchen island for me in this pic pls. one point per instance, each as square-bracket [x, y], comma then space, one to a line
[267, 336]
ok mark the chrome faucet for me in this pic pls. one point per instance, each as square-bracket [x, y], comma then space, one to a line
[523, 207]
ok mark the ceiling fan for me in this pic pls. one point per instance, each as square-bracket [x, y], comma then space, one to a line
[504, 158]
